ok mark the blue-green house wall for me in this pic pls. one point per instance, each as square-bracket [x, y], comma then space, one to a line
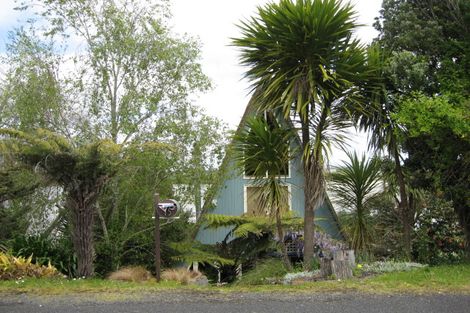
[230, 201]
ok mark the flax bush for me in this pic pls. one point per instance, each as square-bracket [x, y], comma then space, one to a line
[19, 267]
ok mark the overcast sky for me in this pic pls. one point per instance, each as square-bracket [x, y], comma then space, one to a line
[214, 23]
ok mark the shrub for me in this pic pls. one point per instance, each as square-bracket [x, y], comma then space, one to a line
[245, 251]
[132, 273]
[19, 267]
[439, 238]
[265, 272]
[58, 252]
[181, 275]
[136, 245]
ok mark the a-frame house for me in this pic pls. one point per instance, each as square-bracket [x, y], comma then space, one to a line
[235, 194]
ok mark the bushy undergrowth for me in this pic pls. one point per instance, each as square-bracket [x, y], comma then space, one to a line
[135, 246]
[19, 267]
[58, 252]
[438, 236]
[389, 267]
[265, 272]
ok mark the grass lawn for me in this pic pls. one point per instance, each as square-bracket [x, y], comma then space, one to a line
[444, 279]
[439, 279]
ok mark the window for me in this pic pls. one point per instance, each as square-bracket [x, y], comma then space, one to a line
[253, 205]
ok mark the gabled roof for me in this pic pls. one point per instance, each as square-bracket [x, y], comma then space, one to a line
[224, 170]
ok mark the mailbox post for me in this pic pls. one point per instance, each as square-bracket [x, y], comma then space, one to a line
[158, 261]
[165, 209]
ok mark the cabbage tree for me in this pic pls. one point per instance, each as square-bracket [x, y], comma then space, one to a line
[302, 58]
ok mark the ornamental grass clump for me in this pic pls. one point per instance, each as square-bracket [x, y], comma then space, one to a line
[181, 275]
[12, 268]
[390, 266]
[132, 273]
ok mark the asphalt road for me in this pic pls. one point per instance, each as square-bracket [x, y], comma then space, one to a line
[237, 303]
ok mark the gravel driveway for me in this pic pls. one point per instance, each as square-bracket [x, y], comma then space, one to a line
[237, 303]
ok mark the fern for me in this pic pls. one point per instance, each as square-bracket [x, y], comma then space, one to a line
[244, 225]
[213, 221]
[246, 229]
[190, 252]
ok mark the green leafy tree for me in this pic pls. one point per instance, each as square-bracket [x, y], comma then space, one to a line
[396, 75]
[262, 148]
[81, 172]
[129, 80]
[354, 185]
[439, 237]
[302, 58]
[132, 68]
[16, 182]
[125, 217]
[438, 145]
[31, 92]
[435, 36]
[199, 141]
[194, 145]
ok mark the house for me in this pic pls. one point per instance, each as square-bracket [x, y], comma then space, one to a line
[236, 195]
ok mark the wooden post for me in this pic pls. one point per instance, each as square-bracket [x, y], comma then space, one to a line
[157, 239]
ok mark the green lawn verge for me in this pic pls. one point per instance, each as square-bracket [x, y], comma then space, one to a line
[444, 279]
[66, 286]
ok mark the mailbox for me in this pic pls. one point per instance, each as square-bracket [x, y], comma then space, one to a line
[167, 208]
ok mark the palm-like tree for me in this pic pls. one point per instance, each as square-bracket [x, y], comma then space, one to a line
[385, 132]
[354, 185]
[302, 58]
[262, 149]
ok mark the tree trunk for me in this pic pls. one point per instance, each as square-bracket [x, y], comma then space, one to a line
[464, 220]
[407, 230]
[403, 203]
[466, 230]
[314, 194]
[197, 198]
[82, 208]
[280, 234]
[314, 187]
